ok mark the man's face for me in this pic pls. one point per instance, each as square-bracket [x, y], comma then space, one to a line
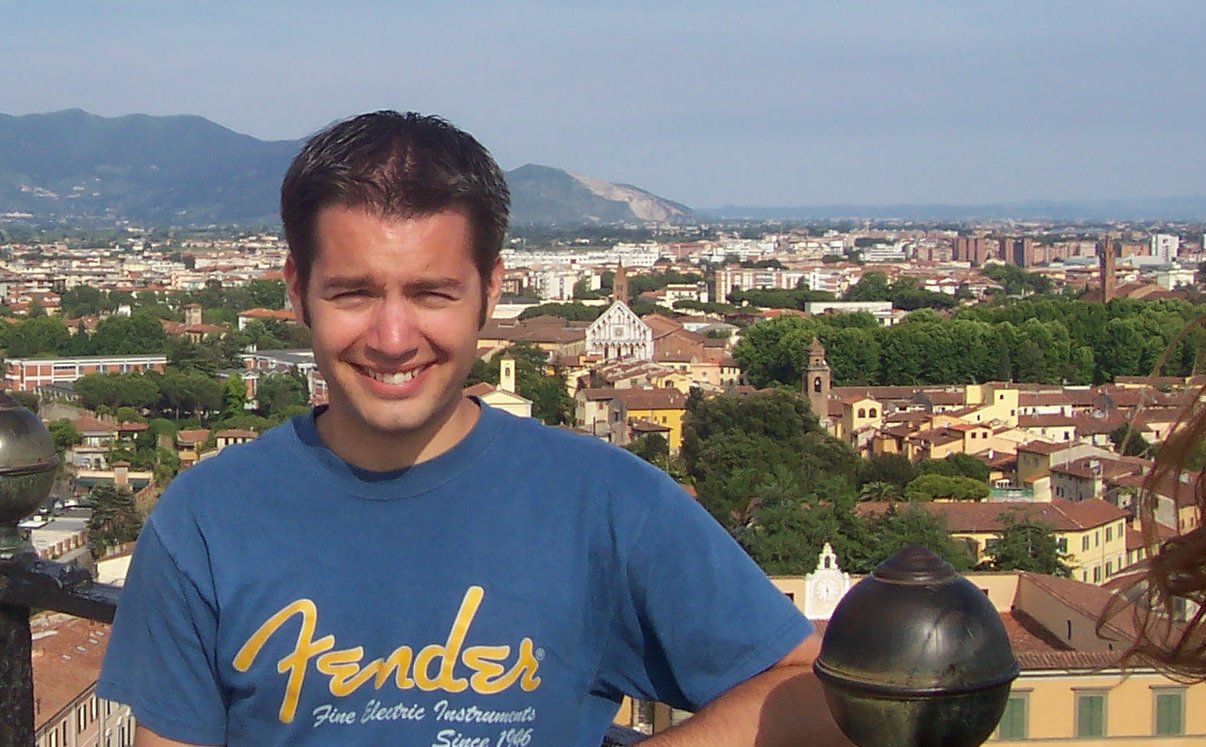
[394, 308]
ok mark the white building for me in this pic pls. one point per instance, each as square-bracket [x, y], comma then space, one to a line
[1165, 246]
[619, 333]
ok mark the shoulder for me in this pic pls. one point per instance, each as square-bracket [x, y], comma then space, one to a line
[571, 451]
[211, 482]
[583, 469]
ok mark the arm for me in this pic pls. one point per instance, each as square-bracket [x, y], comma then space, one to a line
[144, 737]
[783, 705]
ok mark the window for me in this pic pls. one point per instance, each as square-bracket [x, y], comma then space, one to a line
[1084, 542]
[1109, 534]
[1062, 543]
[1109, 568]
[1013, 722]
[862, 412]
[872, 412]
[1090, 714]
[1097, 538]
[1170, 711]
[1097, 574]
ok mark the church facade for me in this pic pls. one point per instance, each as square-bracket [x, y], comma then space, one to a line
[619, 333]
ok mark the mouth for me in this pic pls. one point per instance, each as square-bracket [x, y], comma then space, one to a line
[393, 377]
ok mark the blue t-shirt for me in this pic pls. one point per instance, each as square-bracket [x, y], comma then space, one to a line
[511, 591]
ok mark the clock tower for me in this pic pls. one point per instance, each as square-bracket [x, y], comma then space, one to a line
[825, 586]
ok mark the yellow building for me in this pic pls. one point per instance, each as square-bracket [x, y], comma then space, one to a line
[1072, 691]
[1092, 532]
[994, 401]
[664, 406]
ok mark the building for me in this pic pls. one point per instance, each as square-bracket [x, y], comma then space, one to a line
[30, 374]
[506, 395]
[66, 658]
[1092, 532]
[975, 249]
[1166, 246]
[619, 333]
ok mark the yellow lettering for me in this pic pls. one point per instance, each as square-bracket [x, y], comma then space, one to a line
[528, 663]
[489, 672]
[399, 661]
[295, 662]
[523, 672]
[450, 652]
[484, 661]
[343, 667]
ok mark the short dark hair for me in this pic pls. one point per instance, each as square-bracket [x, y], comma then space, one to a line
[395, 165]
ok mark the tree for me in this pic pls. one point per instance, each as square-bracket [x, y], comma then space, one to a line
[956, 465]
[115, 518]
[64, 434]
[1129, 441]
[37, 336]
[276, 392]
[569, 311]
[907, 525]
[732, 442]
[929, 487]
[234, 396]
[894, 469]
[653, 448]
[1024, 545]
[132, 335]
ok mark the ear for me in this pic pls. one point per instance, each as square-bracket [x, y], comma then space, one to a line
[297, 294]
[494, 291]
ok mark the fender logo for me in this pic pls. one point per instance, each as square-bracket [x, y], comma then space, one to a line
[489, 671]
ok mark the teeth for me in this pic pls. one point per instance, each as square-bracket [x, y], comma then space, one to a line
[400, 377]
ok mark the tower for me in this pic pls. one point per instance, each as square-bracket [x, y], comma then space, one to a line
[619, 284]
[1105, 253]
[816, 380]
[192, 314]
[506, 374]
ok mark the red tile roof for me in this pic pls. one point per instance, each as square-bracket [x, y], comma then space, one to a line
[978, 517]
[67, 653]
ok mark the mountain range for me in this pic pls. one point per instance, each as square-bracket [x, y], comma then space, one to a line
[187, 170]
[75, 167]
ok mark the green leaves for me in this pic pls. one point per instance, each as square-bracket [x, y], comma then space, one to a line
[115, 518]
[1024, 545]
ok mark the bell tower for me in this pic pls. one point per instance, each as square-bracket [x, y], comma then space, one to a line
[816, 381]
[619, 284]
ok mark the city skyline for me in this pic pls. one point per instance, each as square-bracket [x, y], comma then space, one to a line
[703, 103]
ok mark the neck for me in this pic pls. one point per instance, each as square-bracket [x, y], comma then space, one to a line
[389, 451]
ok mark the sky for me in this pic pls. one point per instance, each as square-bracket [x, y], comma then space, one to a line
[706, 103]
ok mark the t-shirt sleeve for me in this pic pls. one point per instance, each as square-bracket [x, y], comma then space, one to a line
[161, 659]
[700, 616]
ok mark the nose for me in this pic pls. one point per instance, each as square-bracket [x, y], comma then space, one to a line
[393, 332]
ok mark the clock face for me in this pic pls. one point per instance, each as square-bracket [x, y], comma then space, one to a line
[826, 590]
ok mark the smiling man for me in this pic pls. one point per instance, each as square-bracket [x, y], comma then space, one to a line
[408, 566]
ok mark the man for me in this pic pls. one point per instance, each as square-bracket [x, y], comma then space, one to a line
[407, 566]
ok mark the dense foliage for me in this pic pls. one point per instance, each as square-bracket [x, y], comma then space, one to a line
[1049, 340]
[1027, 546]
[115, 518]
[762, 466]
